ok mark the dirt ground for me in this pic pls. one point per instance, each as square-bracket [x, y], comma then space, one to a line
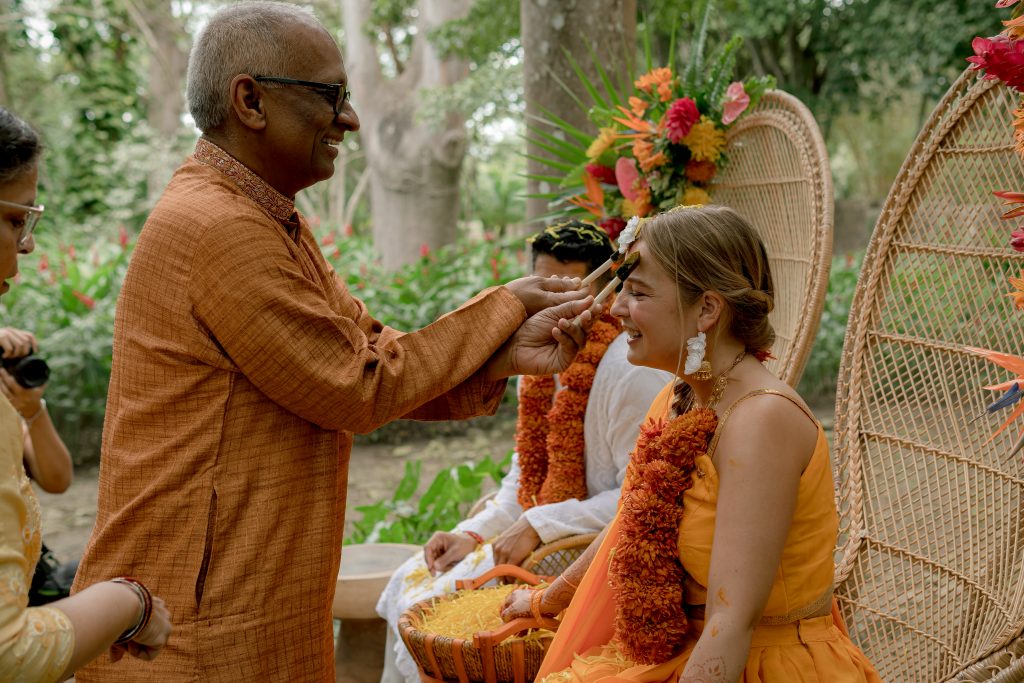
[374, 472]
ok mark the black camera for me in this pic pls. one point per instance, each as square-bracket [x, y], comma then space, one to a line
[29, 371]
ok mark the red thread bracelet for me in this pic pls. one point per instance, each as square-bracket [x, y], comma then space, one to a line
[475, 536]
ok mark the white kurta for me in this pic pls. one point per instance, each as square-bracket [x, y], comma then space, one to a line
[619, 399]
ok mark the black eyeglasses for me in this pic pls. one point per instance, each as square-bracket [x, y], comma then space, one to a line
[336, 93]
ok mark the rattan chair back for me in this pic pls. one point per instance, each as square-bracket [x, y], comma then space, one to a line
[930, 565]
[778, 178]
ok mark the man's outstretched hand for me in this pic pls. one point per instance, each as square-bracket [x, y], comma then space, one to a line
[546, 343]
[537, 293]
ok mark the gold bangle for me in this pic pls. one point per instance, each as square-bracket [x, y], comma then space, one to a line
[572, 585]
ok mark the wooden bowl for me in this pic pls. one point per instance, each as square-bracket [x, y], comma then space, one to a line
[365, 570]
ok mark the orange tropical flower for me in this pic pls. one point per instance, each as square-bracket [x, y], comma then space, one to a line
[1018, 130]
[1014, 364]
[594, 201]
[1018, 296]
[654, 79]
[638, 106]
[645, 156]
[1009, 199]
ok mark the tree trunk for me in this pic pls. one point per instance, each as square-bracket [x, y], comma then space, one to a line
[414, 165]
[550, 28]
[167, 39]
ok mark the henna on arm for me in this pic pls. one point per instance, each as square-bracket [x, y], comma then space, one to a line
[559, 594]
[711, 671]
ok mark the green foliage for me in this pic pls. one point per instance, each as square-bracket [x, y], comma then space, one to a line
[445, 503]
[490, 26]
[818, 382]
[421, 292]
[67, 299]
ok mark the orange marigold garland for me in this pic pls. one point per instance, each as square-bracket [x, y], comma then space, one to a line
[549, 438]
[645, 570]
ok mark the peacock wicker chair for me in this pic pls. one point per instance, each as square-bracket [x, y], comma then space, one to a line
[778, 178]
[930, 563]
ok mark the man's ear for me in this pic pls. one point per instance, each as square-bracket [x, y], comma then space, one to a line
[247, 102]
[712, 305]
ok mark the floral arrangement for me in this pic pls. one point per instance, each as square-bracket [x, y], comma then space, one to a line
[658, 146]
[1001, 57]
[549, 438]
[645, 571]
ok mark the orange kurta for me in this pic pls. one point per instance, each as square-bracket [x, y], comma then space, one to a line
[241, 367]
[786, 647]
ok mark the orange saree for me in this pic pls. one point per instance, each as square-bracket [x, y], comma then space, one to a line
[786, 646]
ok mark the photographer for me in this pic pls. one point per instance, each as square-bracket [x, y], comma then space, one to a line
[47, 460]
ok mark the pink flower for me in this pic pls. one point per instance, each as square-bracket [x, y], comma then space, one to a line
[1000, 57]
[347, 230]
[495, 272]
[626, 176]
[736, 102]
[613, 226]
[88, 301]
[679, 119]
[1003, 4]
[71, 251]
[424, 250]
[122, 237]
[601, 173]
[44, 263]
[1017, 240]
[328, 240]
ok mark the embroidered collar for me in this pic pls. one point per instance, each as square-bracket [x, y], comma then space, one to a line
[254, 187]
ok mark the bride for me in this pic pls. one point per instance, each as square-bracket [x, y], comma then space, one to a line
[718, 566]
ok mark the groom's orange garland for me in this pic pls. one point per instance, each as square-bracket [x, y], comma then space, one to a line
[645, 571]
[549, 439]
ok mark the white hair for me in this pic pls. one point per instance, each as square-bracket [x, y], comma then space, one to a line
[244, 38]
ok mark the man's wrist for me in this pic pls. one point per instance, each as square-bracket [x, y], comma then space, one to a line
[475, 536]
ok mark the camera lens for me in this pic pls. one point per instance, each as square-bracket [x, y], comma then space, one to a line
[28, 371]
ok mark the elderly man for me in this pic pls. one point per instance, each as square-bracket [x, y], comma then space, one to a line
[242, 366]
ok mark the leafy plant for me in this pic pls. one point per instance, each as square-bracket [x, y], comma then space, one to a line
[659, 145]
[445, 503]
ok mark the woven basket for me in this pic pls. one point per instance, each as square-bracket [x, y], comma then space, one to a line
[488, 657]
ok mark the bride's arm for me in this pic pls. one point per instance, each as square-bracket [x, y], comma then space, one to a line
[760, 457]
[559, 594]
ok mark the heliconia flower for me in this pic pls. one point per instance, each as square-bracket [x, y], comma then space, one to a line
[1011, 198]
[1000, 57]
[679, 119]
[638, 106]
[605, 138]
[736, 102]
[1017, 240]
[601, 173]
[87, 301]
[122, 236]
[626, 176]
[1018, 295]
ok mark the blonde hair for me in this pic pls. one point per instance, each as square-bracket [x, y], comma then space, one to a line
[712, 248]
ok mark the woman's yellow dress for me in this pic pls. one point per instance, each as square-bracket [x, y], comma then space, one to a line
[786, 646]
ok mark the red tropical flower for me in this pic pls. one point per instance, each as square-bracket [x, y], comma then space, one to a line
[1000, 57]
[88, 301]
[613, 226]
[679, 119]
[601, 173]
[1017, 240]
